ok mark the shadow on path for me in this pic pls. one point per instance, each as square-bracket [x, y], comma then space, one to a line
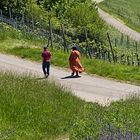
[41, 78]
[67, 77]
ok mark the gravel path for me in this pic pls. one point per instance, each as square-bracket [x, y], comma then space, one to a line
[116, 23]
[89, 88]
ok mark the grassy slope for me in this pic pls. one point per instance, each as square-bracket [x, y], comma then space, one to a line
[35, 110]
[128, 11]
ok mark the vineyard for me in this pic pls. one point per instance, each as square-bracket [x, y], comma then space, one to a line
[128, 11]
[115, 48]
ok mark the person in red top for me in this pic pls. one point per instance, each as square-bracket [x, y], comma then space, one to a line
[46, 60]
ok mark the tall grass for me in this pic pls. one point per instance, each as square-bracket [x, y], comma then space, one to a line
[32, 109]
[8, 32]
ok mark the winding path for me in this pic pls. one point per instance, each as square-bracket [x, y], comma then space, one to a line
[89, 88]
[118, 24]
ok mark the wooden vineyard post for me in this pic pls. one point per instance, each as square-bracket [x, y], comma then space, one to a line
[16, 23]
[115, 42]
[10, 15]
[1, 14]
[121, 42]
[128, 60]
[132, 59]
[23, 21]
[33, 28]
[111, 47]
[50, 32]
[64, 39]
[137, 56]
[127, 42]
[28, 24]
[108, 53]
[87, 44]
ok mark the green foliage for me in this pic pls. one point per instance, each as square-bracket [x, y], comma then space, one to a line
[81, 14]
[85, 15]
[48, 4]
[38, 109]
[34, 109]
[16, 7]
[121, 114]
[73, 14]
[114, 121]
[76, 15]
[87, 125]
[8, 32]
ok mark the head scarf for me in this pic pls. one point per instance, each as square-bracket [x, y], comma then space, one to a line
[75, 48]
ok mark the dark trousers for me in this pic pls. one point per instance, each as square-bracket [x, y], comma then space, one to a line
[46, 67]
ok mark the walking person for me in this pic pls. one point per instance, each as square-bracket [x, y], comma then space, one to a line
[46, 60]
[74, 61]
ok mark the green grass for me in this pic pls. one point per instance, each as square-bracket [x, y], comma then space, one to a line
[128, 11]
[116, 71]
[7, 32]
[32, 109]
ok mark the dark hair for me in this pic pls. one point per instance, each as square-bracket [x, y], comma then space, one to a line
[74, 48]
[44, 48]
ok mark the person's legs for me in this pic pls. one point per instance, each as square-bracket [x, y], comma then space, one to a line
[44, 67]
[77, 73]
[72, 74]
[48, 68]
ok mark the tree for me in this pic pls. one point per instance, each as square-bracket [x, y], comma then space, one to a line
[16, 6]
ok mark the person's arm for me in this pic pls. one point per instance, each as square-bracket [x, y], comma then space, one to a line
[42, 54]
[78, 54]
[70, 56]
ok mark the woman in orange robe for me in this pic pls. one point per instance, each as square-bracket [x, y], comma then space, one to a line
[74, 61]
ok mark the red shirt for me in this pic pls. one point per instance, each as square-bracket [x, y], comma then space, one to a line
[46, 55]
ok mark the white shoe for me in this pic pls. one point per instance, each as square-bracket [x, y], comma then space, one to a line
[46, 75]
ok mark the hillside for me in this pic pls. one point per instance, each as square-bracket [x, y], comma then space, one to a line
[34, 108]
[128, 11]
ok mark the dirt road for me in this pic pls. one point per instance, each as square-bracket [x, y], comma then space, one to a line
[89, 88]
[118, 24]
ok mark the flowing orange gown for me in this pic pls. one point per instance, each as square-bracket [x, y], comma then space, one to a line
[74, 61]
